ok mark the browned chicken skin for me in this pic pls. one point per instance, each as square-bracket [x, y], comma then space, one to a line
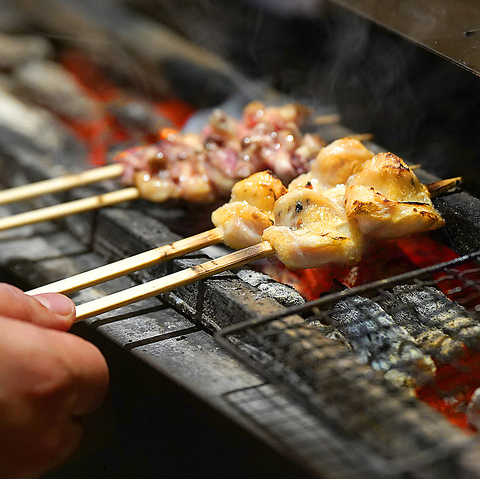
[249, 211]
[311, 230]
[388, 201]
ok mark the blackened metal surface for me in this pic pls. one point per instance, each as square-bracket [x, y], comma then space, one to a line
[449, 29]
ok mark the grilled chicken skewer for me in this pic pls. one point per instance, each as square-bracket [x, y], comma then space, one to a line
[320, 255]
[249, 212]
[239, 223]
[199, 167]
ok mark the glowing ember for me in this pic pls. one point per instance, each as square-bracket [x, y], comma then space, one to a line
[104, 133]
[454, 383]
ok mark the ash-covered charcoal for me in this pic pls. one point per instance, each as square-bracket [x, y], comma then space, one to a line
[16, 50]
[50, 85]
[382, 343]
[28, 127]
[351, 394]
[283, 293]
[331, 332]
[431, 340]
[434, 309]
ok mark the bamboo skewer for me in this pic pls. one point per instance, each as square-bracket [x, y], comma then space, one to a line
[443, 186]
[62, 183]
[199, 272]
[72, 207]
[132, 263]
[173, 281]
[164, 253]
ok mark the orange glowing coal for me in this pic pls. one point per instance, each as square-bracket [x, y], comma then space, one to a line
[454, 384]
[104, 132]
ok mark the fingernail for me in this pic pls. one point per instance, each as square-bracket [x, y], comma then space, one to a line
[58, 303]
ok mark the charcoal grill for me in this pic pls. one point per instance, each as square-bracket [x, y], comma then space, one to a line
[280, 397]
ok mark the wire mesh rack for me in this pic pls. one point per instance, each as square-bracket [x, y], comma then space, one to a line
[392, 366]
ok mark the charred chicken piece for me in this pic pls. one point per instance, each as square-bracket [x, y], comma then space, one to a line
[249, 211]
[388, 201]
[311, 230]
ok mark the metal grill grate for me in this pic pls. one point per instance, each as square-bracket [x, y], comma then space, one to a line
[359, 360]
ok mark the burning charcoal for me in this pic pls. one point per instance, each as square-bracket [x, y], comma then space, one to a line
[430, 340]
[50, 85]
[18, 49]
[33, 128]
[351, 394]
[434, 309]
[138, 116]
[136, 48]
[473, 409]
[382, 343]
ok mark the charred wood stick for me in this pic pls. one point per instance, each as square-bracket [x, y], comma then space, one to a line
[52, 86]
[434, 309]
[17, 50]
[138, 116]
[430, 339]
[61, 183]
[132, 263]
[34, 128]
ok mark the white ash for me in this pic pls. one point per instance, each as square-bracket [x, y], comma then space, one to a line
[283, 293]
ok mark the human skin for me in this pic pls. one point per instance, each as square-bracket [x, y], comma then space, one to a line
[49, 379]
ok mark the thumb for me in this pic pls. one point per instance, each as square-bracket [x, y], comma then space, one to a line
[50, 310]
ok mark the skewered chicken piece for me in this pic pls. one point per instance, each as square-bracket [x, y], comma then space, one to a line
[334, 164]
[311, 230]
[387, 200]
[201, 168]
[250, 210]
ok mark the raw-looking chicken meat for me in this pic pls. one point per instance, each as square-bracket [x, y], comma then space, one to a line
[204, 167]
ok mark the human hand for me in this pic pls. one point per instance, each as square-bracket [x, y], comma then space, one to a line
[49, 379]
